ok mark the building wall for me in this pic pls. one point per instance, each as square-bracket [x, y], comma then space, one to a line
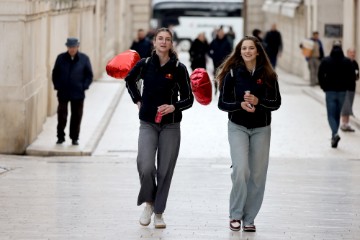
[329, 12]
[293, 32]
[33, 34]
[253, 16]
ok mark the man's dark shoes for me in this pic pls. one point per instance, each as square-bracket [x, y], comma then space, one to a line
[335, 140]
[75, 142]
[235, 225]
[60, 141]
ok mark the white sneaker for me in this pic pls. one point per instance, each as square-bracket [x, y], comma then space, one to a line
[159, 221]
[347, 128]
[145, 217]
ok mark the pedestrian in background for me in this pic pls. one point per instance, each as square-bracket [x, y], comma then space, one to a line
[231, 36]
[219, 49]
[314, 57]
[160, 114]
[336, 76]
[72, 75]
[258, 34]
[274, 46]
[198, 51]
[350, 94]
[249, 91]
[142, 45]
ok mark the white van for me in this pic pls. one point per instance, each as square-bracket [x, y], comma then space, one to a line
[190, 27]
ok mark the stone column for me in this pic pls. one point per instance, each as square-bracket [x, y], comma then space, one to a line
[349, 31]
[24, 73]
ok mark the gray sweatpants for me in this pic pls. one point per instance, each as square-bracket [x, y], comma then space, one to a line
[155, 180]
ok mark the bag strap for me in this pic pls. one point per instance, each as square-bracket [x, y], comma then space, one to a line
[142, 67]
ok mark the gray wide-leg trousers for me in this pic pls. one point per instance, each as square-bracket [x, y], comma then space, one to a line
[162, 141]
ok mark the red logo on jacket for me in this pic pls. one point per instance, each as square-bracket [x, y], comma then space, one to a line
[169, 76]
[259, 81]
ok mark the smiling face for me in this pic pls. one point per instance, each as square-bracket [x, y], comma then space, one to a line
[163, 42]
[249, 51]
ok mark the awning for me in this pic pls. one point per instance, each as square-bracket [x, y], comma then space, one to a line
[283, 7]
[288, 8]
[272, 6]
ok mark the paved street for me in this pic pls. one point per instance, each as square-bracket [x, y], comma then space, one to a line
[312, 190]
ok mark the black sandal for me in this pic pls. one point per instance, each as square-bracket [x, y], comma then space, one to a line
[249, 228]
[235, 225]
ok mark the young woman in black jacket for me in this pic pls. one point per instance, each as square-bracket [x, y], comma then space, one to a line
[166, 93]
[249, 91]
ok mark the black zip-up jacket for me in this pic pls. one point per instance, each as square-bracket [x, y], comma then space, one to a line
[161, 85]
[71, 77]
[232, 93]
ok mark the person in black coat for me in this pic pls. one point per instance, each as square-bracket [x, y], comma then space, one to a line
[142, 45]
[350, 95]
[336, 75]
[273, 44]
[219, 49]
[72, 75]
[258, 34]
[198, 50]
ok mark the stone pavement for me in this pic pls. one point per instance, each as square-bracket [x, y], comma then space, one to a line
[312, 190]
[95, 198]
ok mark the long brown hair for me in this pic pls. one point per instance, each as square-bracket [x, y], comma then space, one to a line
[172, 50]
[235, 60]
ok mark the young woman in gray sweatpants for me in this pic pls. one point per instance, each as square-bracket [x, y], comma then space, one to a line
[166, 93]
[155, 182]
[249, 92]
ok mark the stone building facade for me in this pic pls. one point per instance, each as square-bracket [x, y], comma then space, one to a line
[33, 34]
[297, 19]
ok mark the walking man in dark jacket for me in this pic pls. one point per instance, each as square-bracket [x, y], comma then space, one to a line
[335, 75]
[219, 49]
[72, 75]
[142, 45]
[273, 43]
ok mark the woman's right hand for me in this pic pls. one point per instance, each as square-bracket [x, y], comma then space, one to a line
[248, 107]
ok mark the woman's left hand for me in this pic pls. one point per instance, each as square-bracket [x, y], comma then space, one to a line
[166, 109]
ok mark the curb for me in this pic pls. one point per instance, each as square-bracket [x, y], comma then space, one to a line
[94, 139]
[105, 120]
